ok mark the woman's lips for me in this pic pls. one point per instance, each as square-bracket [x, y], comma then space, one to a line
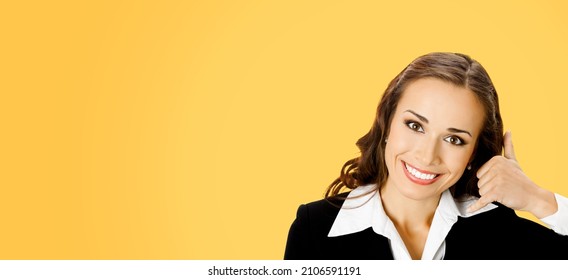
[417, 176]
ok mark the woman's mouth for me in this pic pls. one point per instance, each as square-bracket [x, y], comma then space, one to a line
[417, 176]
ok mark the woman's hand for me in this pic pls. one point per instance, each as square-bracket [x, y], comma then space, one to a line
[502, 180]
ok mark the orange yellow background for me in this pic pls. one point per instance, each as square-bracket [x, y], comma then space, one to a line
[194, 129]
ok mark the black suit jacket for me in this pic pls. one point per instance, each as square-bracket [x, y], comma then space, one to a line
[495, 234]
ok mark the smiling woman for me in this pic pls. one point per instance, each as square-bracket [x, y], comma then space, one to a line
[432, 139]
[431, 182]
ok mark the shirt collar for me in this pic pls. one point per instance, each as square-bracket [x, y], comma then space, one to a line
[363, 209]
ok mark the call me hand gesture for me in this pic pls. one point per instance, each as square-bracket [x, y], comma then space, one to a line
[502, 180]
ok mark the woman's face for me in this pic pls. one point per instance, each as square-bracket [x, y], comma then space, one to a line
[432, 138]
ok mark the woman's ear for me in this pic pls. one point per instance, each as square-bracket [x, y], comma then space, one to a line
[470, 161]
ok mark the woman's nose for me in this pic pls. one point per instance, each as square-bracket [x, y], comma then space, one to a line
[427, 151]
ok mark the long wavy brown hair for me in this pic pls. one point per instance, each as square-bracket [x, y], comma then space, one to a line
[456, 68]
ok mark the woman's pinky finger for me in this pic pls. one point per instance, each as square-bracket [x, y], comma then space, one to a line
[480, 203]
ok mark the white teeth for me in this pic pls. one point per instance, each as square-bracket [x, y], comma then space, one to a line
[418, 174]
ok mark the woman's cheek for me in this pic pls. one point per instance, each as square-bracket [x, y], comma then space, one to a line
[458, 160]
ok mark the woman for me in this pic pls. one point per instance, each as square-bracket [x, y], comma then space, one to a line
[430, 182]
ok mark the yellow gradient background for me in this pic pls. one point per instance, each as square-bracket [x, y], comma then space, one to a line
[194, 129]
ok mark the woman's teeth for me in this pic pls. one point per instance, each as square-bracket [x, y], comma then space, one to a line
[418, 174]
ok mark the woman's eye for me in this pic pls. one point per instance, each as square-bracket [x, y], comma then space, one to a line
[414, 126]
[454, 140]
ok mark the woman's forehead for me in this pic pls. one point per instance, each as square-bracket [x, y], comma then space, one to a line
[443, 104]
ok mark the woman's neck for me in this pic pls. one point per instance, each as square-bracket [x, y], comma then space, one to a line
[406, 211]
[412, 218]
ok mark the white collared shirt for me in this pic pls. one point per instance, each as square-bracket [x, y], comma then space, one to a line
[364, 209]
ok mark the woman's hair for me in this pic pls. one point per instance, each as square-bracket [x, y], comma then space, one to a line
[458, 69]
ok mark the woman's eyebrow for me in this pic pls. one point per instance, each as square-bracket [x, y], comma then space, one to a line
[451, 129]
[455, 130]
[422, 118]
